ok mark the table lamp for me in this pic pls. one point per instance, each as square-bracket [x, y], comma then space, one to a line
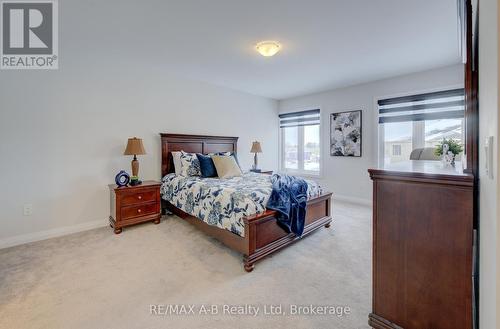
[255, 149]
[135, 148]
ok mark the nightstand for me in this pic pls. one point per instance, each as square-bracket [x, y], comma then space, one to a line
[134, 204]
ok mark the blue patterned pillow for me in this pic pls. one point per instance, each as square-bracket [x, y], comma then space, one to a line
[190, 165]
[207, 166]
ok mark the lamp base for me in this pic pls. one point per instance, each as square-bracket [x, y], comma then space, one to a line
[135, 166]
[134, 181]
[255, 162]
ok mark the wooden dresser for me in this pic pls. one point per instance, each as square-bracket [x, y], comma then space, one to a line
[422, 246]
[134, 204]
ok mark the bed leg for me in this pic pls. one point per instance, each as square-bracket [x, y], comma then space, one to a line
[327, 225]
[249, 266]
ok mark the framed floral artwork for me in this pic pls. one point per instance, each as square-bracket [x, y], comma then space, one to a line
[345, 133]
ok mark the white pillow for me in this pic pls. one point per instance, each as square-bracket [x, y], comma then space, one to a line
[190, 165]
[177, 162]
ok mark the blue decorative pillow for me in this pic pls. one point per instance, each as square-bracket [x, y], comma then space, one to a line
[207, 166]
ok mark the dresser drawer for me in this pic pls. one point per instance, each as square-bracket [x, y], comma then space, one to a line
[138, 210]
[138, 197]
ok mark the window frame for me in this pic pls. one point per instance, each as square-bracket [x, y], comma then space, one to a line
[380, 128]
[300, 150]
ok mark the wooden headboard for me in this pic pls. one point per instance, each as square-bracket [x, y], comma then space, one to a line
[193, 144]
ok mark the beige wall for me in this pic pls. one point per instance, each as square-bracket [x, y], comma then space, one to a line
[498, 167]
[489, 188]
[63, 134]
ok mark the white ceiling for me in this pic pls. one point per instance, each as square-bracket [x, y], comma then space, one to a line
[326, 44]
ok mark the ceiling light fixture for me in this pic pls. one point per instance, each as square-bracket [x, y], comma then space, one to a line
[268, 48]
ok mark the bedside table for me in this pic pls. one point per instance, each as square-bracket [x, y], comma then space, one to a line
[134, 204]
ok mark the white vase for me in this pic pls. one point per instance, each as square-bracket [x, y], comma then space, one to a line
[449, 159]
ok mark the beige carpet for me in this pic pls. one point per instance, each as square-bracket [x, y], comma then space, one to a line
[97, 279]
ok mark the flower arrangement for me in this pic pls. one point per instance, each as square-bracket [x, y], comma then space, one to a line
[453, 147]
[448, 149]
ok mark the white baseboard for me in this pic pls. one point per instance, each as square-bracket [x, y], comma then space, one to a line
[360, 201]
[56, 232]
[53, 233]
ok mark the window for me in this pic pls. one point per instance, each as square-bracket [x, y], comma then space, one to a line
[300, 142]
[418, 121]
[396, 150]
[436, 130]
[398, 135]
[291, 147]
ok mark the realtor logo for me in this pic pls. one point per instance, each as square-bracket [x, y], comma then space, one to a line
[29, 34]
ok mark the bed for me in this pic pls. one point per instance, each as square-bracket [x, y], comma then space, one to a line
[255, 236]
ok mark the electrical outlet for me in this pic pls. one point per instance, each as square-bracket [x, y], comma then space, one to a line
[28, 209]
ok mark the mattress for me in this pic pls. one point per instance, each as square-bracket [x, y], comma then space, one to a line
[223, 202]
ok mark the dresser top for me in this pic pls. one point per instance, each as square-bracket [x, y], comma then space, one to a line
[422, 169]
[425, 166]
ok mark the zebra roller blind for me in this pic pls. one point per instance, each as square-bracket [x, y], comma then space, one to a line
[448, 104]
[297, 119]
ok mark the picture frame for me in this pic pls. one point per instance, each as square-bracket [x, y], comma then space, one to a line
[346, 133]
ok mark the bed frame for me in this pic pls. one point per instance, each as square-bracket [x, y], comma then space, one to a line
[263, 236]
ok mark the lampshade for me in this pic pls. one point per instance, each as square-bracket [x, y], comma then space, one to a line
[256, 148]
[134, 147]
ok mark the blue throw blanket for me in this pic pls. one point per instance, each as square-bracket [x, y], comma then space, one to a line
[289, 198]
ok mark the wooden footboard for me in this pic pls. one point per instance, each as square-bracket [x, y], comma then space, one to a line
[263, 235]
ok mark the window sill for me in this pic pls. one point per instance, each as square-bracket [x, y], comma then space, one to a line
[307, 174]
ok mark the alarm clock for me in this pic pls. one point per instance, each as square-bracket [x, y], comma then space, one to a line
[122, 178]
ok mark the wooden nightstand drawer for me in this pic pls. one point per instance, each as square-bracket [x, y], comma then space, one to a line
[138, 211]
[139, 197]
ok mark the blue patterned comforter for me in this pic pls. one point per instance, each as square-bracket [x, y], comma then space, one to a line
[223, 202]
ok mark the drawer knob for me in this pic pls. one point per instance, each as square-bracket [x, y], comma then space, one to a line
[139, 210]
[139, 197]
